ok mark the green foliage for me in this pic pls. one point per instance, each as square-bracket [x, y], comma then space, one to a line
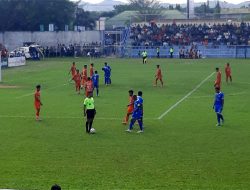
[184, 150]
[28, 15]
[127, 7]
[203, 9]
[178, 7]
[85, 18]
[217, 10]
[171, 7]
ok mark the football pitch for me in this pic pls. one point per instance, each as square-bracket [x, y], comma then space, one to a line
[181, 148]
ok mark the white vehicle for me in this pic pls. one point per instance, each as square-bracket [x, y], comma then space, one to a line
[27, 51]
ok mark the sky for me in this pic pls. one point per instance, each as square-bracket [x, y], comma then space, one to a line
[176, 1]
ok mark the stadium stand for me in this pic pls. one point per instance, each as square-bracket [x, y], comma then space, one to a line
[187, 34]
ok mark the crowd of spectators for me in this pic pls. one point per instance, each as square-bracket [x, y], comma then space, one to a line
[62, 50]
[187, 34]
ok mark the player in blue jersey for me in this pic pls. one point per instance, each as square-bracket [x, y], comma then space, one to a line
[140, 99]
[107, 74]
[218, 105]
[95, 80]
[137, 114]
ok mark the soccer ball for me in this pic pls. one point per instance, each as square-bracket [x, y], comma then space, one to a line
[92, 130]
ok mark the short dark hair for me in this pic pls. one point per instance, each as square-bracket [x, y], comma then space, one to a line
[38, 86]
[139, 93]
[55, 187]
[217, 88]
[131, 91]
[217, 68]
[96, 72]
[92, 64]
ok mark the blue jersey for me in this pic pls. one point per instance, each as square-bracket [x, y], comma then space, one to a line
[107, 71]
[218, 102]
[140, 99]
[219, 99]
[95, 79]
[138, 109]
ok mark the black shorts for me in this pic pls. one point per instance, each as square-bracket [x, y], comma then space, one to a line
[91, 113]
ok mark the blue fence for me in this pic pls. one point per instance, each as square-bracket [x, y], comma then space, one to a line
[206, 51]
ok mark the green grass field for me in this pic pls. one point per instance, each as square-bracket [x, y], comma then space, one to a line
[182, 150]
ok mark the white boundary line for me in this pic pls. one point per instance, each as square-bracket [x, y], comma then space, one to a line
[67, 117]
[185, 97]
[29, 94]
[242, 82]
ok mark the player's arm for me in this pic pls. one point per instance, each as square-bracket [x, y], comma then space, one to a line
[84, 110]
[222, 103]
[130, 103]
[70, 70]
[214, 103]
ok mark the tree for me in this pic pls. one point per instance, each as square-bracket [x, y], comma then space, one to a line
[203, 10]
[149, 9]
[127, 7]
[28, 15]
[178, 7]
[171, 7]
[83, 18]
[217, 10]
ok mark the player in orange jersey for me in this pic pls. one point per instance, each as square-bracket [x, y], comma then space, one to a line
[158, 76]
[130, 107]
[91, 70]
[73, 69]
[84, 75]
[217, 82]
[228, 73]
[77, 79]
[38, 102]
[88, 87]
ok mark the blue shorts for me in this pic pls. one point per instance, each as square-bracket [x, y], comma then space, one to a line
[218, 109]
[137, 115]
[95, 85]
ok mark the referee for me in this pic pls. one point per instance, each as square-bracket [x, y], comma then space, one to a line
[89, 110]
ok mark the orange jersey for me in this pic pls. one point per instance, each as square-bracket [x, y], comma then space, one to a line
[228, 70]
[37, 99]
[218, 79]
[131, 104]
[91, 71]
[84, 74]
[89, 86]
[73, 70]
[77, 78]
[158, 73]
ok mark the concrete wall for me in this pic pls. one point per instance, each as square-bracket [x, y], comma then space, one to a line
[12, 40]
